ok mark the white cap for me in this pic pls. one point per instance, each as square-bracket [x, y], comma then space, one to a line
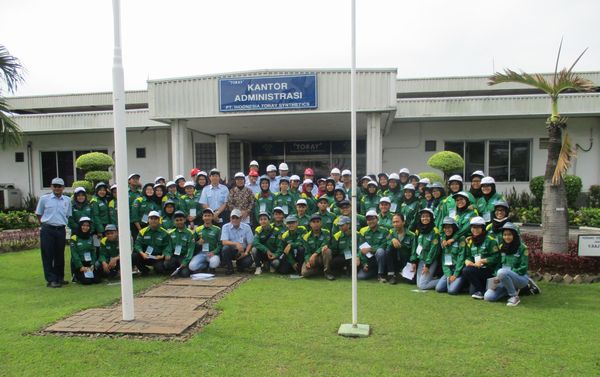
[335, 171]
[404, 171]
[253, 163]
[425, 181]
[409, 186]
[133, 175]
[372, 183]
[371, 213]
[477, 220]
[488, 181]
[478, 173]
[170, 183]
[153, 214]
[58, 181]
[178, 177]
[346, 172]
[159, 178]
[301, 201]
[189, 184]
[239, 174]
[308, 182]
[294, 178]
[455, 177]
[385, 199]
[85, 218]
[394, 176]
[113, 187]
[271, 168]
[236, 212]
[283, 166]
[78, 190]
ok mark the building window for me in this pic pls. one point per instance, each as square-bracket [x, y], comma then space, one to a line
[206, 156]
[430, 145]
[19, 157]
[505, 160]
[62, 164]
[140, 152]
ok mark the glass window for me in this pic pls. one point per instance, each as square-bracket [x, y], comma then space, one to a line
[456, 147]
[475, 157]
[498, 160]
[206, 156]
[48, 168]
[65, 165]
[519, 160]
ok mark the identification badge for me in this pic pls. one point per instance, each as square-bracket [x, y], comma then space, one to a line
[452, 213]
[393, 207]
[177, 249]
[193, 212]
[285, 209]
[477, 258]
[448, 260]
[149, 249]
[205, 246]
[145, 218]
[369, 255]
[507, 267]
[487, 217]
[347, 254]
[96, 241]
[89, 274]
[263, 207]
[87, 256]
[419, 249]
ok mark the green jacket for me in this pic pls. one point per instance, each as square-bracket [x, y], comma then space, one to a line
[369, 202]
[212, 235]
[141, 208]
[182, 244]
[410, 211]
[267, 240]
[313, 243]
[463, 221]
[294, 239]
[84, 210]
[407, 240]
[99, 213]
[263, 203]
[327, 219]
[377, 239]
[286, 202]
[177, 199]
[191, 202]
[453, 257]
[446, 208]
[486, 207]
[487, 250]
[82, 251]
[155, 242]
[310, 202]
[113, 216]
[108, 250]
[396, 199]
[386, 220]
[427, 247]
[517, 262]
[133, 195]
[341, 243]
[304, 220]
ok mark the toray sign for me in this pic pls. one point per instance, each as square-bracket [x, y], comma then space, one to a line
[260, 93]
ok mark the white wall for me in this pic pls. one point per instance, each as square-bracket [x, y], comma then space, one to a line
[404, 145]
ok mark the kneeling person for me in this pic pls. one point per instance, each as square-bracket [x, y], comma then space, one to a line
[317, 254]
[373, 243]
[108, 263]
[83, 253]
[266, 244]
[181, 250]
[208, 237]
[151, 245]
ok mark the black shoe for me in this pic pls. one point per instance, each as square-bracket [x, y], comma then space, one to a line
[533, 287]
[53, 284]
[63, 282]
[329, 276]
[381, 279]
[392, 279]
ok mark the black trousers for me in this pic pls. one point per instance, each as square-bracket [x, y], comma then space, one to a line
[82, 279]
[173, 263]
[477, 278]
[339, 263]
[142, 264]
[286, 267]
[52, 245]
[229, 253]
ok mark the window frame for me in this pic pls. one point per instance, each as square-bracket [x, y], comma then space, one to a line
[73, 152]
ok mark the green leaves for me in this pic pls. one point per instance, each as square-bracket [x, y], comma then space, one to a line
[10, 70]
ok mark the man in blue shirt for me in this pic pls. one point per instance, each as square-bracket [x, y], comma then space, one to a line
[214, 196]
[237, 241]
[53, 211]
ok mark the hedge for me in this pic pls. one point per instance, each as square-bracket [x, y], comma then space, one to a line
[446, 161]
[94, 161]
[433, 177]
[18, 220]
[573, 187]
[98, 176]
[87, 185]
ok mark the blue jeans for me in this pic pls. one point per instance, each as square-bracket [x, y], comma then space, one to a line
[201, 261]
[510, 281]
[426, 281]
[453, 288]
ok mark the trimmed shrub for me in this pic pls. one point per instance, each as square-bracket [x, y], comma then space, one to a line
[433, 177]
[18, 220]
[87, 185]
[94, 161]
[573, 187]
[446, 161]
[595, 196]
[585, 217]
[98, 176]
[567, 262]
[536, 186]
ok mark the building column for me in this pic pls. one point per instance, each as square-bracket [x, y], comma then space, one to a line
[222, 151]
[374, 143]
[180, 148]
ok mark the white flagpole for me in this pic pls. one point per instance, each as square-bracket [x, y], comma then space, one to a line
[354, 329]
[121, 169]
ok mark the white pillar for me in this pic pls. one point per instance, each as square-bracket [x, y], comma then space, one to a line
[181, 155]
[374, 143]
[222, 150]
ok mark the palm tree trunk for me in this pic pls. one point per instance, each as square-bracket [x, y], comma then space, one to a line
[554, 202]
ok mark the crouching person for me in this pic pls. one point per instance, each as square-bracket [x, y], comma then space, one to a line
[83, 253]
[151, 245]
[181, 250]
[426, 250]
[317, 254]
[373, 243]
[266, 244]
[399, 247]
[481, 258]
[341, 247]
[453, 258]
[108, 262]
[513, 274]
[208, 239]
[237, 241]
[292, 246]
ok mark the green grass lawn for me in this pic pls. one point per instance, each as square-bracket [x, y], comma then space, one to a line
[273, 325]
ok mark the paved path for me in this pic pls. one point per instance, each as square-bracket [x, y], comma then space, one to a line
[169, 308]
[573, 233]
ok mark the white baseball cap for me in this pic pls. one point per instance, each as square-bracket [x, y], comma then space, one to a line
[488, 181]
[308, 182]
[394, 176]
[404, 171]
[346, 172]
[335, 171]
[455, 177]
[271, 168]
[153, 214]
[477, 220]
[385, 199]
[283, 166]
[189, 184]
[239, 174]
[371, 213]
[253, 163]
[294, 178]
[301, 201]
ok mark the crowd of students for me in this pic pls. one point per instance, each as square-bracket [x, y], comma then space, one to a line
[452, 240]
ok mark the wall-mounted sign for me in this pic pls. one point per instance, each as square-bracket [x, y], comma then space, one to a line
[589, 245]
[307, 147]
[263, 93]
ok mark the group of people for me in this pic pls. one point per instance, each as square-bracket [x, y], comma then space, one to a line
[408, 229]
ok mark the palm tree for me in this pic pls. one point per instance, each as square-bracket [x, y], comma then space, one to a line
[10, 77]
[560, 149]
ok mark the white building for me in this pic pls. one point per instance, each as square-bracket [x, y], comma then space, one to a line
[181, 123]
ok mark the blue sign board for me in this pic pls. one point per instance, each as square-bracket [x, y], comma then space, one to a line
[262, 93]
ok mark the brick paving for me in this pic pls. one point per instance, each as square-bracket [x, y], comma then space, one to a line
[167, 309]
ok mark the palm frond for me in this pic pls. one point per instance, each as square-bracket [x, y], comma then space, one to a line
[10, 70]
[565, 159]
[534, 80]
[557, 60]
[10, 132]
[568, 80]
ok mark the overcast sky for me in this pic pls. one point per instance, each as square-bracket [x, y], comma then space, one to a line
[66, 45]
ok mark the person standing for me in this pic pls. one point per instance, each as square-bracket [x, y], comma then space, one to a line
[80, 207]
[214, 196]
[242, 198]
[52, 211]
[273, 180]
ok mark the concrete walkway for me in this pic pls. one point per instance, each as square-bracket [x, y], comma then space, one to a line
[169, 308]
[573, 233]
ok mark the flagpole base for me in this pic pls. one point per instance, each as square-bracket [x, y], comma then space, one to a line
[354, 331]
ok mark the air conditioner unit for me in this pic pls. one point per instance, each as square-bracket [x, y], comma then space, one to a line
[10, 197]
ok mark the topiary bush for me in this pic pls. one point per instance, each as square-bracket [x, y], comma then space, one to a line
[87, 185]
[573, 187]
[433, 177]
[96, 165]
[98, 176]
[446, 161]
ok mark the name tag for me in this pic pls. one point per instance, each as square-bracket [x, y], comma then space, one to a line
[193, 212]
[145, 218]
[149, 249]
[263, 207]
[477, 258]
[89, 274]
[285, 209]
[419, 250]
[448, 260]
[205, 246]
[487, 217]
[347, 254]
[507, 267]
[393, 207]
[369, 255]
[452, 213]
[177, 249]
[96, 241]
[87, 256]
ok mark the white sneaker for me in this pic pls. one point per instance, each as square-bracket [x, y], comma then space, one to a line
[513, 301]
[258, 271]
[477, 295]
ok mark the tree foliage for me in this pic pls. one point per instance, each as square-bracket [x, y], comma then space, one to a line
[446, 161]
